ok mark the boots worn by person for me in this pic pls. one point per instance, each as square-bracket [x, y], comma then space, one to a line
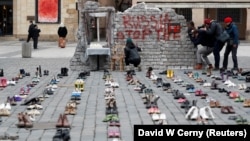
[210, 66]
[198, 66]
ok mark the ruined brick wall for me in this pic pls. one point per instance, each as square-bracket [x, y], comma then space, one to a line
[162, 34]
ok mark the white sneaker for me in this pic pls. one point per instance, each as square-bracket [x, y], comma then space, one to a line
[190, 111]
[155, 117]
[2, 106]
[231, 84]
[203, 114]
[7, 106]
[227, 82]
[195, 114]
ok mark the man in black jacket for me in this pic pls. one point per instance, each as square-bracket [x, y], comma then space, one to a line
[31, 27]
[36, 33]
[215, 29]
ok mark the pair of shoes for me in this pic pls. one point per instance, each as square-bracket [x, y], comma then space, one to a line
[63, 121]
[214, 104]
[46, 72]
[227, 110]
[61, 135]
[114, 132]
[24, 121]
[70, 108]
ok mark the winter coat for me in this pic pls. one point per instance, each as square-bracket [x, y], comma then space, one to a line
[36, 32]
[232, 30]
[203, 39]
[215, 29]
[62, 31]
[131, 52]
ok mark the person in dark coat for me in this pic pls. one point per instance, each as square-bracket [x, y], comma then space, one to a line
[62, 33]
[206, 41]
[232, 43]
[31, 27]
[131, 54]
[215, 29]
[36, 33]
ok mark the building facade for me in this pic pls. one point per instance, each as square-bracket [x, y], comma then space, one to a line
[16, 14]
[197, 10]
[47, 14]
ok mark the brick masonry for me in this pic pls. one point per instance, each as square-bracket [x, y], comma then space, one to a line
[161, 33]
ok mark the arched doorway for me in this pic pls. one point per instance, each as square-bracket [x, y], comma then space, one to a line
[6, 17]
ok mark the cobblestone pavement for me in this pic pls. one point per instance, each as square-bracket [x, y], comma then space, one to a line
[88, 123]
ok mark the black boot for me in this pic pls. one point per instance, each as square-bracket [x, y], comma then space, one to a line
[1, 73]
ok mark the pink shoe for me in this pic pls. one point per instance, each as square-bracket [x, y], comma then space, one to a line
[22, 91]
[181, 100]
[111, 133]
[117, 133]
[3, 82]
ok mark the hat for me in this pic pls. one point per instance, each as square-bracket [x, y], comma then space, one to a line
[129, 40]
[207, 21]
[228, 20]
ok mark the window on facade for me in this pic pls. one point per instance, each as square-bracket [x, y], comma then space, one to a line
[186, 12]
[232, 12]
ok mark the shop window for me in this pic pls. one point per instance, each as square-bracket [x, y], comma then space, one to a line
[232, 12]
[186, 12]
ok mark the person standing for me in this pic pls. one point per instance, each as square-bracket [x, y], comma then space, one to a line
[232, 43]
[36, 33]
[215, 29]
[132, 55]
[62, 33]
[30, 31]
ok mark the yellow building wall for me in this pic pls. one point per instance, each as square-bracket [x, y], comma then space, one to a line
[25, 8]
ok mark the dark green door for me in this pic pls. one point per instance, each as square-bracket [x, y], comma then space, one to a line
[6, 17]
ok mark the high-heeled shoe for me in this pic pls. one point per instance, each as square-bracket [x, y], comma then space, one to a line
[60, 121]
[65, 121]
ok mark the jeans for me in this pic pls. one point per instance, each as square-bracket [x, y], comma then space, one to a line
[202, 54]
[217, 48]
[230, 48]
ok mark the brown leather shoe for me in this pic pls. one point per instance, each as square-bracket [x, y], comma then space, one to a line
[27, 122]
[198, 66]
[217, 103]
[60, 121]
[224, 110]
[210, 66]
[20, 120]
[231, 109]
[212, 104]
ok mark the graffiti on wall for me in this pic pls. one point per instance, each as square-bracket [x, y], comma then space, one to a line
[143, 27]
